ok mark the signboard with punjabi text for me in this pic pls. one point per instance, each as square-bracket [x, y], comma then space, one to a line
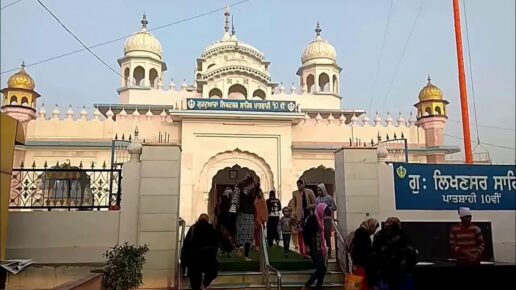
[199, 104]
[450, 186]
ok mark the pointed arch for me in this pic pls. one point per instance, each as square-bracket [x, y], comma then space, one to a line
[153, 78]
[126, 77]
[237, 92]
[335, 84]
[324, 82]
[139, 76]
[438, 110]
[310, 83]
[13, 100]
[215, 93]
[428, 111]
[242, 158]
[259, 94]
[24, 101]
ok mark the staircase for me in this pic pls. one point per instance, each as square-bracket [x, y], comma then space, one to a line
[334, 279]
[266, 271]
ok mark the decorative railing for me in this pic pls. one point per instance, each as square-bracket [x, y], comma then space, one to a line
[65, 188]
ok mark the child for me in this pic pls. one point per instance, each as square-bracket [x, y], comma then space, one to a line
[286, 228]
[291, 206]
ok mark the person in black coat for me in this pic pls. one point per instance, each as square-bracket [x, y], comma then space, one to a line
[199, 253]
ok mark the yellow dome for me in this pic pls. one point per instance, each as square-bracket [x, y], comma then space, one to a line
[143, 41]
[21, 80]
[319, 48]
[430, 92]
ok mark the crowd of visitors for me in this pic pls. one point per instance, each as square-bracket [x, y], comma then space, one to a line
[383, 259]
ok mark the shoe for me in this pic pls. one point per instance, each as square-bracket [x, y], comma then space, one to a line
[286, 256]
[247, 259]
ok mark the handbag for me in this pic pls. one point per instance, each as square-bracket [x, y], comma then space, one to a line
[353, 282]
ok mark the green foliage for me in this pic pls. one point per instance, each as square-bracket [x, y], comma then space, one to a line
[124, 267]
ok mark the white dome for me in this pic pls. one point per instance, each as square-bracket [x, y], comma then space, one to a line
[143, 43]
[319, 49]
[230, 43]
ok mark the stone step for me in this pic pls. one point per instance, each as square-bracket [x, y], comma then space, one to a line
[327, 286]
[253, 280]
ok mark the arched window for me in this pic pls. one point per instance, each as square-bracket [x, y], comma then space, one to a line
[310, 83]
[259, 94]
[335, 84]
[153, 76]
[126, 77]
[215, 94]
[438, 110]
[428, 111]
[237, 92]
[324, 82]
[139, 76]
[24, 101]
[14, 100]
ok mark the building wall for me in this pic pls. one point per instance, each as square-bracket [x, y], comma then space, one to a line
[62, 236]
[365, 188]
[264, 147]
[503, 223]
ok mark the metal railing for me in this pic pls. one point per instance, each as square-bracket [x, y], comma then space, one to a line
[339, 238]
[180, 238]
[65, 187]
[265, 265]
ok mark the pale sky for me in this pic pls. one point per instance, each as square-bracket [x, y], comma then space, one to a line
[281, 29]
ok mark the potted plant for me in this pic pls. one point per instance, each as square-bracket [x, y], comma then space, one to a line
[124, 264]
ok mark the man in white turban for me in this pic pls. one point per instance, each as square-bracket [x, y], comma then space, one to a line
[466, 241]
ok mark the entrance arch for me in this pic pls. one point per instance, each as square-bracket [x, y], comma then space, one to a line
[320, 174]
[222, 160]
[227, 177]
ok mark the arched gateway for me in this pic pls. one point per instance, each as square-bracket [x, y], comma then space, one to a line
[235, 163]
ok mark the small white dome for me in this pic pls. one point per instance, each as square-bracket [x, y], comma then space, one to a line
[143, 43]
[319, 49]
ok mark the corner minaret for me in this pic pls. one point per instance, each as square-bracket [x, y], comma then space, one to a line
[432, 117]
[319, 72]
[142, 66]
[19, 99]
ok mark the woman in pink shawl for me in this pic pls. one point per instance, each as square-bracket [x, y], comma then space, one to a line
[313, 233]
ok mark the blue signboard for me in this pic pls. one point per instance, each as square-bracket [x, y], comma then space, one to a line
[198, 104]
[449, 186]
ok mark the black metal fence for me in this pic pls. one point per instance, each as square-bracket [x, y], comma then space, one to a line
[397, 148]
[66, 188]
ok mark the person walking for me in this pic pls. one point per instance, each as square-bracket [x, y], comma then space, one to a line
[313, 237]
[244, 195]
[304, 200]
[199, 253]
[395, 256]
[466, 240]
[274, 209]
[323, 196]
[361, 252]
[260, 207]
[286, 230]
